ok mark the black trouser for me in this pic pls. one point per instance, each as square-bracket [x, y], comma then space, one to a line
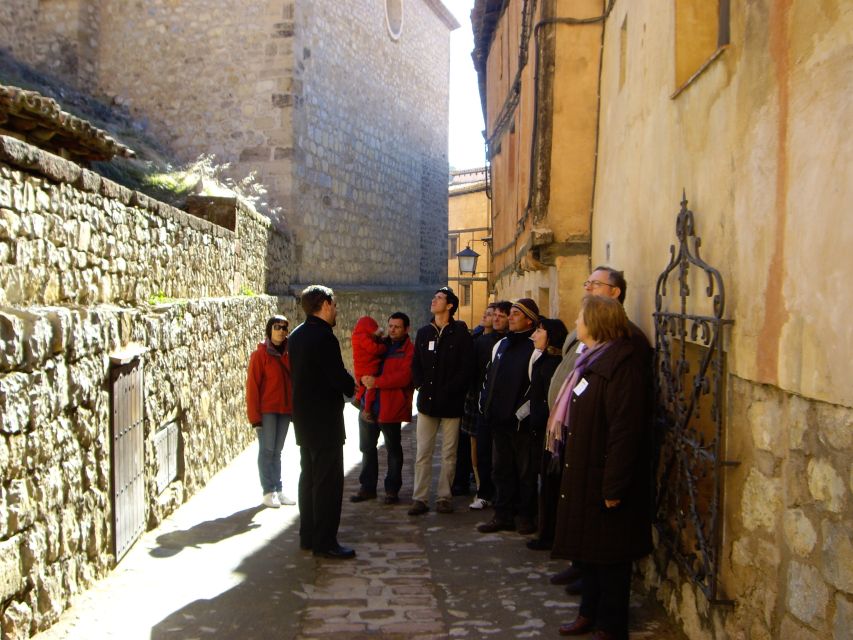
[605, 596]
[462, 479]
[321, 490]
[549, 496]
[514, 471]
[486, 488]
[368, 437]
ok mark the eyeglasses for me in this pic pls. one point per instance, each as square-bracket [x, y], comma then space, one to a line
[597, 283]
[279, 327]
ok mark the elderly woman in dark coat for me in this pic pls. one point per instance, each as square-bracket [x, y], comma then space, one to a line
[600, 422]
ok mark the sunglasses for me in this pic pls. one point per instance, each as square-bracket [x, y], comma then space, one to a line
[279, 327]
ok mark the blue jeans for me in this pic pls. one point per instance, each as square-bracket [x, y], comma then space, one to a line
[368, 436]
[271, 435]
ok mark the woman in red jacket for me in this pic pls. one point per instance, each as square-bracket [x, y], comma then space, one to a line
[268, 404]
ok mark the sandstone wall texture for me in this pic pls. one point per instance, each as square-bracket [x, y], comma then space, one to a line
[757, 139]
[80, 257]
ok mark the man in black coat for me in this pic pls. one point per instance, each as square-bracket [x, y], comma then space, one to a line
[320, 383]
[441, 371]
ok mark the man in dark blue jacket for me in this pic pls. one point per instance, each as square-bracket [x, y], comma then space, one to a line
[441, 371]
[502, 404]
[320, 383]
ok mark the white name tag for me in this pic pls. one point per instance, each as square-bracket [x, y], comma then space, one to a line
[431, 345]
[580, 387]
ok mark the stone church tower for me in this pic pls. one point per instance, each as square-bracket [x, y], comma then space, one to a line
[340, 107]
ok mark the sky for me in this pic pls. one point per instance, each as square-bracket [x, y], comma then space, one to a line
[466, 149]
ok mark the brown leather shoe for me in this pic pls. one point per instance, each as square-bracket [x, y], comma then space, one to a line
[579, 627]
[418, 508]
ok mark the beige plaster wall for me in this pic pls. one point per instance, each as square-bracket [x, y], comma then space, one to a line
[759, 143]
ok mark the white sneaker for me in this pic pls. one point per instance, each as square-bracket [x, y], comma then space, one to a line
[283, 499]
[271, 500]
[479, 504]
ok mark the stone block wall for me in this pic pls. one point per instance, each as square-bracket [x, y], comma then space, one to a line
[345, 126]
[370, 130]
[68, 236]
[55, 475]
[379, 303]
[80, 258]
[787, 546]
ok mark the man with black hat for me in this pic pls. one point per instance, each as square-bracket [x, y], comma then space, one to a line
[502, 404]
[441, 371]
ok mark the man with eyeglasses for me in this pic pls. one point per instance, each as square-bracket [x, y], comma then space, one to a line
[608, 283]
[320, 383]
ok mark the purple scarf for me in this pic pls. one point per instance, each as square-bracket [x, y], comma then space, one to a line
[558, 423]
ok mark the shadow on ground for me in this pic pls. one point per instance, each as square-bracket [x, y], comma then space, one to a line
[431, 576]
[209, 532]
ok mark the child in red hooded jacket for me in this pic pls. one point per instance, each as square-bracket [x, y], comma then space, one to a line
[367, 352]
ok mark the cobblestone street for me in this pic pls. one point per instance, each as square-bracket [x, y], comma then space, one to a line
[222, 567]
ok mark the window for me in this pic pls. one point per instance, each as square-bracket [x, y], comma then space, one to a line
[701, 34]
[452, 247]
[464, 295]
[394, 18]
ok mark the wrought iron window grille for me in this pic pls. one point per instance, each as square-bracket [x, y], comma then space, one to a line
[689, 379]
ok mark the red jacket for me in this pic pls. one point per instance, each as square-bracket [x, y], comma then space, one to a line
[395, 384]
[367, 350]
[268, 388]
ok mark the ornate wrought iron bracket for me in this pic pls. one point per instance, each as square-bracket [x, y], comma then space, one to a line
[689, 378]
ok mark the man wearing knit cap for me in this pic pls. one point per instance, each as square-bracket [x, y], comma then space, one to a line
[502, 404]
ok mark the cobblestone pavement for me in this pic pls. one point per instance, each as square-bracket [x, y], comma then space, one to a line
[223, 567]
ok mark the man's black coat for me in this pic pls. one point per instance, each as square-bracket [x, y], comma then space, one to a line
[320, 383]
[442, 368]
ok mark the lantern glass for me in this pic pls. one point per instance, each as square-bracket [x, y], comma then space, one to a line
[467, 261]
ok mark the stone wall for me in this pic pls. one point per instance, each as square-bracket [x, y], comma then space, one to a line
[377, 302]
[371, 137]
[80, 257]
[55, 475]
[787, 550]
[345, 126]
[69, 236]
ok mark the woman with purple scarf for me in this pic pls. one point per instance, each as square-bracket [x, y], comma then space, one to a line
[599, 425]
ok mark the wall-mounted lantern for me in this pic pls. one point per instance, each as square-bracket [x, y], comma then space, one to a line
[467, 260]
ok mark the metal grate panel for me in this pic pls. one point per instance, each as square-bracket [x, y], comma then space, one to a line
[127, 456]
[689, 380]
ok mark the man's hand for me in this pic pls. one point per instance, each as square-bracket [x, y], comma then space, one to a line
[610, 504]
[368, 381]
